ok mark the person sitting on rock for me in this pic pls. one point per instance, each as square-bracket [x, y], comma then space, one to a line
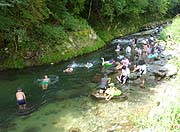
[112, 91]
[104, 83]
[124, 76]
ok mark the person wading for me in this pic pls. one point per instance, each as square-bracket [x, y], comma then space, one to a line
[21, 99]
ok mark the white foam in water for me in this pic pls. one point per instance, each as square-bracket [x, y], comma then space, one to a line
[88, 65]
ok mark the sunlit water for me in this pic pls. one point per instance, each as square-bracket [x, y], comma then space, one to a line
[66, 105]
[26, 79]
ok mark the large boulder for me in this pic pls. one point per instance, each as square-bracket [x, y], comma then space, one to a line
[171, 70]
[166, 70]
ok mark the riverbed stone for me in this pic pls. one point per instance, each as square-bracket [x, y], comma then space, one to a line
[133, 76]
[171, 70]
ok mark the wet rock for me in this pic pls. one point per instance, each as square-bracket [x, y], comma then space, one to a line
[137, 81]
[159, 73]
[166, 70]
[151, 78]
[133, 76]
[160, 63]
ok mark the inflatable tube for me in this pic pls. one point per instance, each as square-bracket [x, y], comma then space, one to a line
[98, 96]
[153, 55]
[107, 65]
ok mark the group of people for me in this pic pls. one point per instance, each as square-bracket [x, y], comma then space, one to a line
[108, 89]
[21, 97]
[135, 57]
[131, 58]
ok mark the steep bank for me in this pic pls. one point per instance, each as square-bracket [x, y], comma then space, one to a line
[57, 45]
[42, 32]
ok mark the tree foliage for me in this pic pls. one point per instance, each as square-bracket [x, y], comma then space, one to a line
[29, 24]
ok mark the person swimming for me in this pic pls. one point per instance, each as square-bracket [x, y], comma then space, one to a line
[45, 82]
[73, 65]
[68, 70]
[88, 65]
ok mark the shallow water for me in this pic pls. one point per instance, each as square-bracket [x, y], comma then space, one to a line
[75, 81]
[66, 105]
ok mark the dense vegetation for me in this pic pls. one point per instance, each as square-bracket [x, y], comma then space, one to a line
[35, 32]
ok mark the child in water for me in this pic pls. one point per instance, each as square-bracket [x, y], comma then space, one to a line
[68, 70]
[45, 82]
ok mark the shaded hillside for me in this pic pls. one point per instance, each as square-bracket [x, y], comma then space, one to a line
[39, 32]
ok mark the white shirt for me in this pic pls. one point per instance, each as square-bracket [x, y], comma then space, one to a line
[142, 68]
[128, 50]
[125, 72]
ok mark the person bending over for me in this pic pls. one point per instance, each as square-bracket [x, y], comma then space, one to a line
[124, 76]
[141, 69]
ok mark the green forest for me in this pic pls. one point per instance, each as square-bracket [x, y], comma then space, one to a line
[36, 32]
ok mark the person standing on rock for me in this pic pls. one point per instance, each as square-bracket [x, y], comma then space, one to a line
[128, 51]
[118, 49]
[141, 68]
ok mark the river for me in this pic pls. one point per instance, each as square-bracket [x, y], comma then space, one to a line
[71, 91]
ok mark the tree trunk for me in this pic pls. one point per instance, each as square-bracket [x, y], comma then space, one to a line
[90, 6]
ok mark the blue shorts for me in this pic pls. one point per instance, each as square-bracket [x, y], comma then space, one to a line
[21, 102]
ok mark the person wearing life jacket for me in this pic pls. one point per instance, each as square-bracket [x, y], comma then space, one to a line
[141, 70]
